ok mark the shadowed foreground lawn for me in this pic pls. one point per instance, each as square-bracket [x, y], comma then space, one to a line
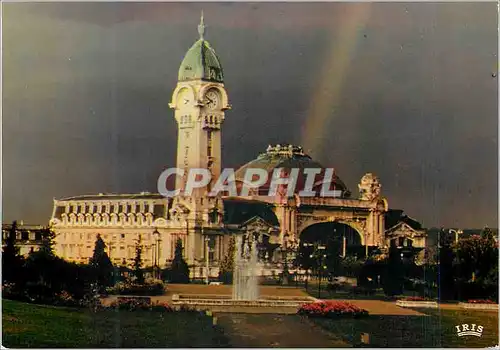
[435, 330]
[26, 325]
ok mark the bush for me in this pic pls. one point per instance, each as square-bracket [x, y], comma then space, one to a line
[331, 309]
[476, 290]
[66, 299]
[357, 290]
[152, 287]
[134, 304]
[12, 291]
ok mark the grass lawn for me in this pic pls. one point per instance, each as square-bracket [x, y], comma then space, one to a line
[436, 330]
[26, 325]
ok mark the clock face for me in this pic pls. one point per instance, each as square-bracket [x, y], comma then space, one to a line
[212, 99]
[183, 97]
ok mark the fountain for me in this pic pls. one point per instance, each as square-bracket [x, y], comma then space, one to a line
[245, 279]
[245, 288]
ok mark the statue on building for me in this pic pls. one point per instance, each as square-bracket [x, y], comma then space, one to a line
[369, 187]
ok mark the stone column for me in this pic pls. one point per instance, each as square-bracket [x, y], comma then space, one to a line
[190, 246]
[381, 223]
[294, 223]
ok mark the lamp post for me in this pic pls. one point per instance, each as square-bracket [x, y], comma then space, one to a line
[284, 252]
[307, 270]
[457, 233]
[320, 256]
[156, 252]
[207, 257]
[153, 260]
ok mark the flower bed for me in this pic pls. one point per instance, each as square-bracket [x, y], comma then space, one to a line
[420, 302]
[479, 304]
[331, 309]
[133, 304]
[481, 301]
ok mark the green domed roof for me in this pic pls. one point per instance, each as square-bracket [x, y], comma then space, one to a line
[289, 157]
[201, 61]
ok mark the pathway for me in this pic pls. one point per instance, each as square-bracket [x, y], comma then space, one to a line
[267, 330]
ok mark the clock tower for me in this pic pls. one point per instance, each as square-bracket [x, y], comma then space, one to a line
[199, 102]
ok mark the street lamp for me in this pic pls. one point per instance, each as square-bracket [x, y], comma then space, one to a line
[456, 232]
[318, 253]
[207, 253]
[156, 253]
[307, 245]
[284, 252]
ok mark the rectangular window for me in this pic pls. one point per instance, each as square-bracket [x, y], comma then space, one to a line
[123, 235]
[25, 235]
[129, 208]
[209, 143]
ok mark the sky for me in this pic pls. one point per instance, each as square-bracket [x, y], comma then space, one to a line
[402, 90]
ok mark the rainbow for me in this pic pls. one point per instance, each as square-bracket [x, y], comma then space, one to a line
[331, 77]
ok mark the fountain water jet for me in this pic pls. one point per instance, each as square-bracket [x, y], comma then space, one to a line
[245, 279]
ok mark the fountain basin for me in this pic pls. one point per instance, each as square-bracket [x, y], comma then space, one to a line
[225, 300]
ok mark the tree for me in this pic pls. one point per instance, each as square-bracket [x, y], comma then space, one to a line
[351, 266]
[12, 260]
[179, 271]
[227, 265]
[488, 234]
[393, 277]
[48, 237]
[445, 271]
[46, 274]
[333, 260]
[477, 256]
[139, 274]
[102, 268]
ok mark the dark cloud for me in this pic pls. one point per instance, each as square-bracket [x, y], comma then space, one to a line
[87, 85]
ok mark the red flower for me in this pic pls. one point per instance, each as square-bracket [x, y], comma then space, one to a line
[481, 301]
[331, 309]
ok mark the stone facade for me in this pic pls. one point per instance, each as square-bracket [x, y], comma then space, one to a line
[28, 237]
